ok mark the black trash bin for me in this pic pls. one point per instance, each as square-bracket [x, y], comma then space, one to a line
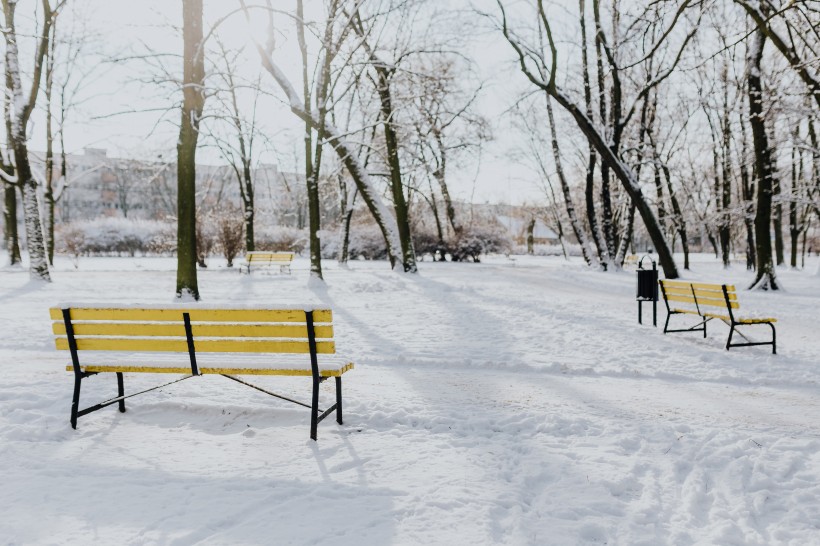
[647, 289]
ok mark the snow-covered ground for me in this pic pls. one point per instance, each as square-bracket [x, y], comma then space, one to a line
[507, 402]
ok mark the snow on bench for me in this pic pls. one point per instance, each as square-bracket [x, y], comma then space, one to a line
[199, 341]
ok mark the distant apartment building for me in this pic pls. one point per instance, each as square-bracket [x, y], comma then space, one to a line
[100, 186]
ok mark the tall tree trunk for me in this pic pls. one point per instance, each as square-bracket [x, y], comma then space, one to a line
[766, 277]
[777, 218]
[794, 230]
[607, 222]
[589, 191]
[192, 104]
[440, 175]
[48, 193]
[747, 191]
[20, 110]
[10, 220]
[313, 158]
[384, 75]
[577, 228]
[724, 231]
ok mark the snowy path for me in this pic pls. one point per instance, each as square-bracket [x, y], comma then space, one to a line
[490, 405]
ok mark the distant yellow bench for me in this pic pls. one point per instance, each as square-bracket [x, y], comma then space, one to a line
[631, 259]
[199, 341]
[260, 259]
[682, 297]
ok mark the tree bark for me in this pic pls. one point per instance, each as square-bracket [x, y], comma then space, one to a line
[766, 278]
[18, 114]
[192, 105]
[10, 220]
[577, 228]
[589, 190]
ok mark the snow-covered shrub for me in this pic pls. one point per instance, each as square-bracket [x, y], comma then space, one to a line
[116, 236]
[367, 242]
[207, 230]
[71, 241]
[282, 238]
[426, 242]
[549, 250]
[230, 232]
[478, 239]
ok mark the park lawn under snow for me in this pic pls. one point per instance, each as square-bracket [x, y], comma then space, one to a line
[507, 402]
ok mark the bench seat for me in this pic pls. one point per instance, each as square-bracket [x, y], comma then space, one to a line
[200, 340]
[225, 363]
[727, 318]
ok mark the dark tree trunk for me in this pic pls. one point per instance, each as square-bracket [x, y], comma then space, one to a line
[748, 202]
[10, 221]
[589, 192]
[396, 188]
[17, 125]
[766, 277]
[193, 102]
[777, 219]
[577, 228]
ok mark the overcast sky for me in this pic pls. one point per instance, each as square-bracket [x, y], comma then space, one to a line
[123, 111]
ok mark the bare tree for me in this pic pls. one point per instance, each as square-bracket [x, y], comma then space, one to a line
[766, 278]
[541, 73]
[18, 114]
[193, 101]
[335, 138]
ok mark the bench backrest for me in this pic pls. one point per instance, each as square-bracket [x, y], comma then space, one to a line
[257, 257]
[212, 330]
[700, 294]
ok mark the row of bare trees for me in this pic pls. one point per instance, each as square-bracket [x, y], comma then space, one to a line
[684, 121]
[706, 130]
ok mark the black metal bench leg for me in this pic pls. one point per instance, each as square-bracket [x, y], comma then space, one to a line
[731, 332]
[75, 401]
[339, 399]
[314, 410]
[774, 339]
[121, 391]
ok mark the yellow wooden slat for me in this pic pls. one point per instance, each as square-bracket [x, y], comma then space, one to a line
[210, 370]
[678, 291]
[126, 368]
[199, 330]
[263, 371]
[716, 302]
[202, 345]
[680, 298]
[260, 330]
[197, 315]
[756, 320]
[687, 311]
[120, 329]
[675, 284]
[710, 286]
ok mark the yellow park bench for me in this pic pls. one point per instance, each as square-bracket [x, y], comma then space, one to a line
[707, 302]
[631, 260]
[199, 341]
[260, 259]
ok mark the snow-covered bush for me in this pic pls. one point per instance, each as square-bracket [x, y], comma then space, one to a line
[230, 232]
[282, 238]
[478, 239]
[116, 236]
[367, 242]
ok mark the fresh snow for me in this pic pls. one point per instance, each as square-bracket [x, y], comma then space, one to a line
[507, 402]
